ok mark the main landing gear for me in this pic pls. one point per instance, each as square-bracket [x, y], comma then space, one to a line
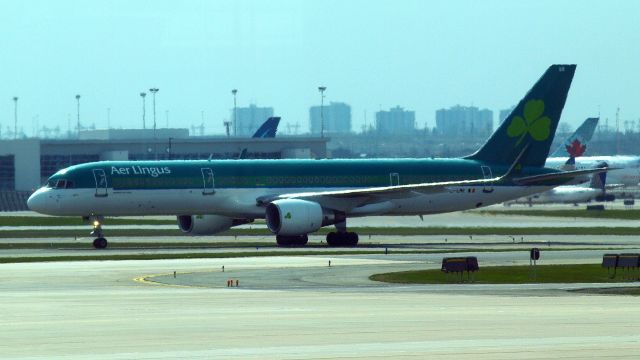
[291, 241]
[99, 242]
[342, 238]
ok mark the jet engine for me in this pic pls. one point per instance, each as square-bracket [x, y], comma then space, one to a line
[291, 217]
[207, 224]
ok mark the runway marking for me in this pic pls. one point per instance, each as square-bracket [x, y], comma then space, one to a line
[146, 279]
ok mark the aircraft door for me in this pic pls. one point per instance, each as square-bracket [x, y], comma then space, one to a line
[486, 173]
[101, 182]
[208, 181]
[394, 179]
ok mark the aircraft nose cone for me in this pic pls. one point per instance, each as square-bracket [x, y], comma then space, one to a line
[37, 202]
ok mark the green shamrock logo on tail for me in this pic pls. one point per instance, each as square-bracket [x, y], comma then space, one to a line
[534, 123]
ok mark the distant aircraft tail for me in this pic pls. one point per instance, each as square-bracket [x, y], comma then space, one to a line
[268, 129]
[576, 144]
[532, 123]
[599, 180]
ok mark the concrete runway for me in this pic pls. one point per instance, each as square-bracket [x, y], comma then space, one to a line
[52, 247]
[301, 309]
[294, 307]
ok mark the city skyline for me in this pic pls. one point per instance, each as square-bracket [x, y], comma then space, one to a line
[278, 54]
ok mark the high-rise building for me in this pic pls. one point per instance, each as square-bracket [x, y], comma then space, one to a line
[504, 113]
[464, 120]
[337, 118]
[395, 121]
[250, 118]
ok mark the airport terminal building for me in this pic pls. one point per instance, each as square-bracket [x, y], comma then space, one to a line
[26, 163]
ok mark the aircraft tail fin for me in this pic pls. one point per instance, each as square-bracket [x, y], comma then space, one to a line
[532, 123]
[599, 180]
[576, 144]
[268, 129]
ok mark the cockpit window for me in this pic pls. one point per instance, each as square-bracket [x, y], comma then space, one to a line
[69, 184]
[61, 184]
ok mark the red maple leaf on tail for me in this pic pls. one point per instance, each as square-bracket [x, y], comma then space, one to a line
[576, 149]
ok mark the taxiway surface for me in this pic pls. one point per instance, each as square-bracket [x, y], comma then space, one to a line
[95, 310]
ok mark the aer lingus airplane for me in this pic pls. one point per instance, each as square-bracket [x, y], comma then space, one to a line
[298, 197]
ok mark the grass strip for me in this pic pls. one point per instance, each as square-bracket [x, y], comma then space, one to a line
[574, 273]
[362, 231]
[75, 220]
[621, 214]
[101, 255]
[633, 291]
[169, 256]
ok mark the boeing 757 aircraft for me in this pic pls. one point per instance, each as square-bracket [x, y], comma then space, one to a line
[298, 197]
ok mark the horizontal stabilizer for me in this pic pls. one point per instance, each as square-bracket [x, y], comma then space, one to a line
[543, 179]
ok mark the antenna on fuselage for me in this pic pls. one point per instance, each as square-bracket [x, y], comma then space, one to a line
[210, 156]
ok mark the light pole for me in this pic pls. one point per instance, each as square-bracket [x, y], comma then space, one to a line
[15, 117]
[322, 89]
[235, 113]
[144, 109]
[78, 112]
[153, 92]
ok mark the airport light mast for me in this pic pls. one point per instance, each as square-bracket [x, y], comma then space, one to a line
[153, 92]
[15, 117]
[144, 109]
[322, 89]
[78, 112]
[235, 113]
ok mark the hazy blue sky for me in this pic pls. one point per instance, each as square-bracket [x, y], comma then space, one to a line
[422, 55]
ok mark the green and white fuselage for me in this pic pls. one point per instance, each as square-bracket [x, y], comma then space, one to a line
[231, 187]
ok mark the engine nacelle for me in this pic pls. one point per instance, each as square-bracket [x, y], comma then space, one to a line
[207, 224]
[292, 217]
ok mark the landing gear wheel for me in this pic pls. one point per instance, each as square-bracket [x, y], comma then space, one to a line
[352, 239]
[100, 243]
[342, 239]
[332, 239]
[291, 241]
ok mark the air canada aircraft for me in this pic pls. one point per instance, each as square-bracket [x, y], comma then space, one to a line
[575, 145]
[624, 169]
[298, 197]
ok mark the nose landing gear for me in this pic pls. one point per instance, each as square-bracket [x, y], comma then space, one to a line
[99, 242]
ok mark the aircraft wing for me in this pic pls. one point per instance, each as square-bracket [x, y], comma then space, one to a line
[350, 198]
[347, 199]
